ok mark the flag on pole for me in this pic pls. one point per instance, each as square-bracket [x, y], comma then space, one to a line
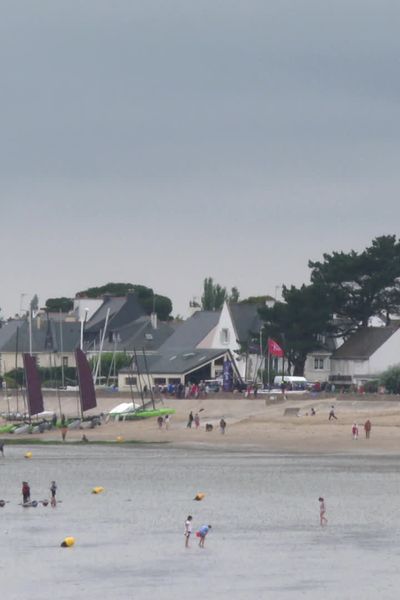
[274, 348]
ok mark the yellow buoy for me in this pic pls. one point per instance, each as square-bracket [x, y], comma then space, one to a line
[28, 454]
[68, 542]
[97, 490]
[120, 438]
[199, 496]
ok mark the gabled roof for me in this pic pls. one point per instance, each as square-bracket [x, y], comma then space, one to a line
[246, 320]
[123, 310]
[139, 334]
[192, 331]
[176, 362]
[46, 337]
[8, 330]
[365, 342]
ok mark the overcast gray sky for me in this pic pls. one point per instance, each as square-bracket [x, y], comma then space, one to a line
[161, 142]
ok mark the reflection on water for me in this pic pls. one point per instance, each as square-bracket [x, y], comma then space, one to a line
[265, 542]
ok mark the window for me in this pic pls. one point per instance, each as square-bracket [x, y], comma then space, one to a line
[318, 363]
[130, 380]
[159, 381]
[65, 361]
[224, 336]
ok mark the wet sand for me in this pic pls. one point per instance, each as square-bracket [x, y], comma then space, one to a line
[255, 424]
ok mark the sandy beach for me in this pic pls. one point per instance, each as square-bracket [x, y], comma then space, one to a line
[255, 423]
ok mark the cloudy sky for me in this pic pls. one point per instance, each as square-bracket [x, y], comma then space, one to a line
[161, 142]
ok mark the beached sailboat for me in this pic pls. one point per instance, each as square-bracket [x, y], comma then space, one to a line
[87, 393]
[33, 386]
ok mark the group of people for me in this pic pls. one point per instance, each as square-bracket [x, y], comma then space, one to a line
[163, 421]
[193, 419]
[367, 429]
[26, 493]
[201, 533]
[196, 420]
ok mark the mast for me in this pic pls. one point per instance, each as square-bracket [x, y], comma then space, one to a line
[139, 378]
[148, 379]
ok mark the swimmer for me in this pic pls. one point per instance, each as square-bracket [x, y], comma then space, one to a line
[322, 510]
[188, 530]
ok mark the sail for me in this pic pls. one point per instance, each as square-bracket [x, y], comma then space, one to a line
[85, 380]
[33, 385]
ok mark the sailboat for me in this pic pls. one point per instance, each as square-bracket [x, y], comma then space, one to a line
[87, 393]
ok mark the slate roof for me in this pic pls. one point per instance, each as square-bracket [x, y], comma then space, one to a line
[138, 334]
[365, 342]
[246, 320]
[192, 331]
[8, 330]
[123, 310]
[176, 362]
[46, 338]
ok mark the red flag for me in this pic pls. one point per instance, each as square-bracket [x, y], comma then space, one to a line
[274, 349]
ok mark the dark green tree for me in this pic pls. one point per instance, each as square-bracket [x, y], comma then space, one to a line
[213, 296]
[298, 323]
[147, 297]
[391, 379]
[361, 285]
[257, 300]
[59, 304]
[234, 295]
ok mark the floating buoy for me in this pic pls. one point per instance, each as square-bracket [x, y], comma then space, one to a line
[68, 542]
[28, 454]
[97, 490]
[199, 496]
[120, 438]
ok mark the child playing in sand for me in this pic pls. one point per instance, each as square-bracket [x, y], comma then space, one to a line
[322, 510]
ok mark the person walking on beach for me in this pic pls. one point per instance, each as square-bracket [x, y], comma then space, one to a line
[2, 448]
[53, 491]
[190, 420]
[367, 428]
[188, 530]
[160, 422]
[202, 534]
[354, 431]
[332, 413]
[222, 425]
[197, 420]
[322, 510]
[26, 492]
[166, 421]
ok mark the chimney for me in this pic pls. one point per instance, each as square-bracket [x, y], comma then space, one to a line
[153, 320]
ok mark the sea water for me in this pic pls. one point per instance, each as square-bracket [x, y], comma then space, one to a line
[265, 542]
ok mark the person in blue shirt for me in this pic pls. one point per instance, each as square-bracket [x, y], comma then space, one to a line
[202, 533]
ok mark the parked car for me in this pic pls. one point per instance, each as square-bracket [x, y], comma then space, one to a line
[212, 385]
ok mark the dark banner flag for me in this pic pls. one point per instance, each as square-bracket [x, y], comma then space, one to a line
[227, 376]
[33, 385]
[85, 380]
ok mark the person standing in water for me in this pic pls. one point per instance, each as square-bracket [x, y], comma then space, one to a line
[26, 492]
[53, 491]
[202, 533]
[322, 510]
[188, 530]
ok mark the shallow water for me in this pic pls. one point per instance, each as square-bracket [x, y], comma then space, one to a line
[266, 541]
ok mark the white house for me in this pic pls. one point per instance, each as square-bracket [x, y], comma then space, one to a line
[366, 354]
